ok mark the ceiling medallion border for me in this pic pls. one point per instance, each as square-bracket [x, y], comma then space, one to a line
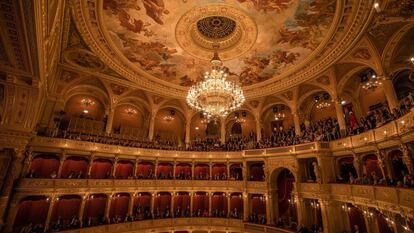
[89, 23]
[198, 45]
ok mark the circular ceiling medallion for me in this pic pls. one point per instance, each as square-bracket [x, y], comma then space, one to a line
[201, 28]
[216, 27]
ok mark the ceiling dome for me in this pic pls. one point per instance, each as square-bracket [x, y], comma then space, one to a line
[165, 46]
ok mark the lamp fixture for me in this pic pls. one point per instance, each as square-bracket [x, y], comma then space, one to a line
[170, 117]
[87, 102]
[322, 101]
[278, 112]
[215, 96]
[240, 119]
[372, 82]
[131, 111]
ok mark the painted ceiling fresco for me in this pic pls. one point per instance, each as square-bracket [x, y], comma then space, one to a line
[288, 32]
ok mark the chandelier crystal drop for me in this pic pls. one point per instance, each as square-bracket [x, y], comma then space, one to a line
[215, 96]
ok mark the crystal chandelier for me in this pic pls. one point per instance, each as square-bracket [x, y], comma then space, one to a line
[87, 102]
[322, 101]
[215, 96]
[131, 111]
[372, 83]
[278, 112]
[170, 117]
[279, 116]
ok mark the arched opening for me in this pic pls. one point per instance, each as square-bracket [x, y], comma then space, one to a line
[169, 126]
[241, 124]
[277, 117]
[165, 171]
[119, 208]
[219, 205]
[183, 171]
[384, 226]
[84, 114]
[44, 166]
[142, 206]
[65, 213]
[236, 171]
[75, 167]
[236, 205]
[347, 171]
[124, 169]
[219, 171]
[129, 121]
[372, 170]
[94, 213]
[398, 168]
[145, 170]
[356, 219]
[162, 205]
[256, 171]
[282, 186]
[257, 209]
[202, 129]
[200, 204]
[182, 205]
[201, 171]
[101, 169]
[32, 213]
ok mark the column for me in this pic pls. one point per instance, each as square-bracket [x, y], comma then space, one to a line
[340, 116]
[109, 121]
[90, 165]
[114, 167]
[151, 126]
[223, 131]
[49, 213]
[172, 204]
[381, 163]
[245, 171]
[300, 208]
[108, 206]
[246, 206]
[11, 216]
[357, 164]
[13, 174]
[135, 168]
[187, 133]
[296, 121]
[192, 170]
[174, 168]
[228, 170]
[210, 165]
[155, 169]
[62, 160]
[390, 94]
[228, 204]
[27, 163]
[326, 218]
[269, 207]
[131, 204]
[408, 161]
[152, 203]
[191, 203]
[209, 203]
[258, 130]
[82, 209]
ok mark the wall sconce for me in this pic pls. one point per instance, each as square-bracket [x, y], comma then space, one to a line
[377, 7]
